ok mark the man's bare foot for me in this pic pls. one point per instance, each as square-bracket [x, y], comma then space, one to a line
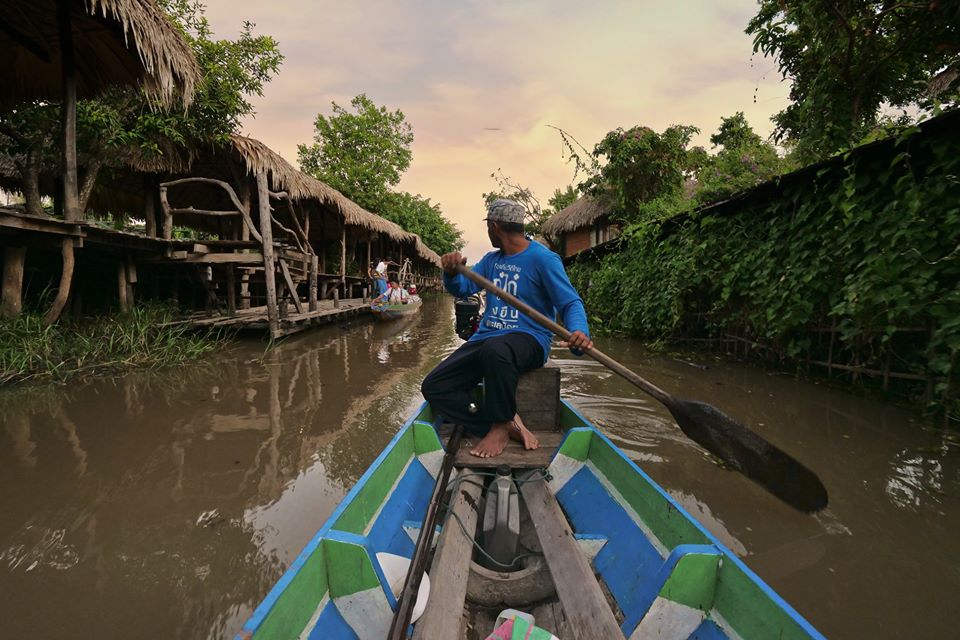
[520, 433]
[494, 442]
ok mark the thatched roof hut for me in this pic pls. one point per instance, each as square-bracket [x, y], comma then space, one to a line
[585, 211]
[115, 42]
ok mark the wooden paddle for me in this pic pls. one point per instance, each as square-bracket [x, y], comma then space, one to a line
[718, 433]
[411, 585]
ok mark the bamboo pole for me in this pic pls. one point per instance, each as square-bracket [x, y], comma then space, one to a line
[269, 267]
[312, 283]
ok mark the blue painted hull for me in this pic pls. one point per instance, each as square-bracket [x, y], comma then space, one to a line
[660, 565]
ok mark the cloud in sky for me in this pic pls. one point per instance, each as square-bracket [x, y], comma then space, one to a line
[460, 68]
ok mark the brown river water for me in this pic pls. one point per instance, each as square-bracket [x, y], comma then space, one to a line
[165, 505]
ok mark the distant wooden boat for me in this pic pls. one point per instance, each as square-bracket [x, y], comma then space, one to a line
[609, 554]
[396, 311]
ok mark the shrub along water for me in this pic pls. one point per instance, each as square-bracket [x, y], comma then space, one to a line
[142, 338]
[855, 261]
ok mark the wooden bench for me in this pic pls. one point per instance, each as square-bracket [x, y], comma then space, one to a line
[584, 605]
[443, 617]
[538, 403]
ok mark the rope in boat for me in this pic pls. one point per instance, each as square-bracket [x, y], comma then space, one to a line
[460, 479]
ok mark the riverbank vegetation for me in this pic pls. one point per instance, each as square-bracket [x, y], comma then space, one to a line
[143, 338]
[839, 247]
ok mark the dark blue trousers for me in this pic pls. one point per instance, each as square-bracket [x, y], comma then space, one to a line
[498, 362]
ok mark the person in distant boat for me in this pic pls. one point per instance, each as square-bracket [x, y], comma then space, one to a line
[507, 343]
[412, 290]
[379, 276]
[397, 294]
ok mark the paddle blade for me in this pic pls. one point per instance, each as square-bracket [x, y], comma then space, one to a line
[750, 454]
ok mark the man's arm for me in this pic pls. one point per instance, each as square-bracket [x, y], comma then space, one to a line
[457, 284]
[567, 302]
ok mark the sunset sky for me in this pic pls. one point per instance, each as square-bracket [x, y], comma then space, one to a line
[480, 81]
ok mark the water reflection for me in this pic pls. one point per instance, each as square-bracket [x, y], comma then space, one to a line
[168, 504]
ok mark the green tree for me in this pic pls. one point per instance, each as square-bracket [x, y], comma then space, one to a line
[560, 200]
[848, 59]
[418, 215]
[642, 166]
[743, 161]
[124, 125]
[362, 153]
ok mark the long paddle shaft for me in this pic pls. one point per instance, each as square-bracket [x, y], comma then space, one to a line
[718, 433]
[408, 596]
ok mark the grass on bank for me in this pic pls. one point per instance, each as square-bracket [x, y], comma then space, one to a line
[139, 339]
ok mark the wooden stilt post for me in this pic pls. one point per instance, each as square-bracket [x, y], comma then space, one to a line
[131, 273]
[336, 298]
[12, 302]
[343, 258]
[68, 113]
[122, 287]
[312, 283]
[167, 216]
[231, 292]
[244, 194]
[149, 205]
[269, 267]
[66, 279]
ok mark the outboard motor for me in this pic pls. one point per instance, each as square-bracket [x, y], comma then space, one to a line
[468, 316]
[501, 521]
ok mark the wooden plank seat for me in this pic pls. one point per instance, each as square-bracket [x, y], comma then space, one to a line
[443, 617]
[584, 605]
[514, 455]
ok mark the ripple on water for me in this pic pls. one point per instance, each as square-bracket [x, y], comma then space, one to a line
[37, 548]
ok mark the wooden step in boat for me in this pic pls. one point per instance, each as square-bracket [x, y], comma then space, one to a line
[396, 311]
[608, 553]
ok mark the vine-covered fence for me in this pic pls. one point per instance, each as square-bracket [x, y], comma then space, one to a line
[852, 264]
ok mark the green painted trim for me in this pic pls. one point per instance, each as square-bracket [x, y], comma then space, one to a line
[376, 489]
[670, 526]
[569, 419]
[425, 438]
[349, 568]
[292, 610]
[426, 414]
[577, 444]
[693, 581]
[749, 611]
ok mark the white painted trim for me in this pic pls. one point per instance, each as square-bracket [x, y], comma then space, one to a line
[591, 547]
[561, 469]
[313, 619]
[668, 620]
[367, 612]
[386, 498]
[432, 461]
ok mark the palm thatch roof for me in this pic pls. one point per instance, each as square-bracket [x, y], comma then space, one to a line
[125, 42]
[585, 211]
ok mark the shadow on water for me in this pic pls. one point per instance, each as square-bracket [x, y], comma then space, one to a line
[166, 504]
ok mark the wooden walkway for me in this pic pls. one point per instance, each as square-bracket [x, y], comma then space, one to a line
[256, 317]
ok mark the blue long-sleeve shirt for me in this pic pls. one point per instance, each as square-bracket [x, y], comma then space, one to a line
[536, 276]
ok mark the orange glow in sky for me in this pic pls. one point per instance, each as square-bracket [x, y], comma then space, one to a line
[480, 81]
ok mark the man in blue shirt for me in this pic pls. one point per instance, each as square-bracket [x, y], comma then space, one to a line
[507, 343]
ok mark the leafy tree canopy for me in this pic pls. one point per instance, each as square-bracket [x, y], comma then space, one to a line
[642, 165]
[848, 59]
[362, 153]
[123, 125]
[418, 215]
[743, 161]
